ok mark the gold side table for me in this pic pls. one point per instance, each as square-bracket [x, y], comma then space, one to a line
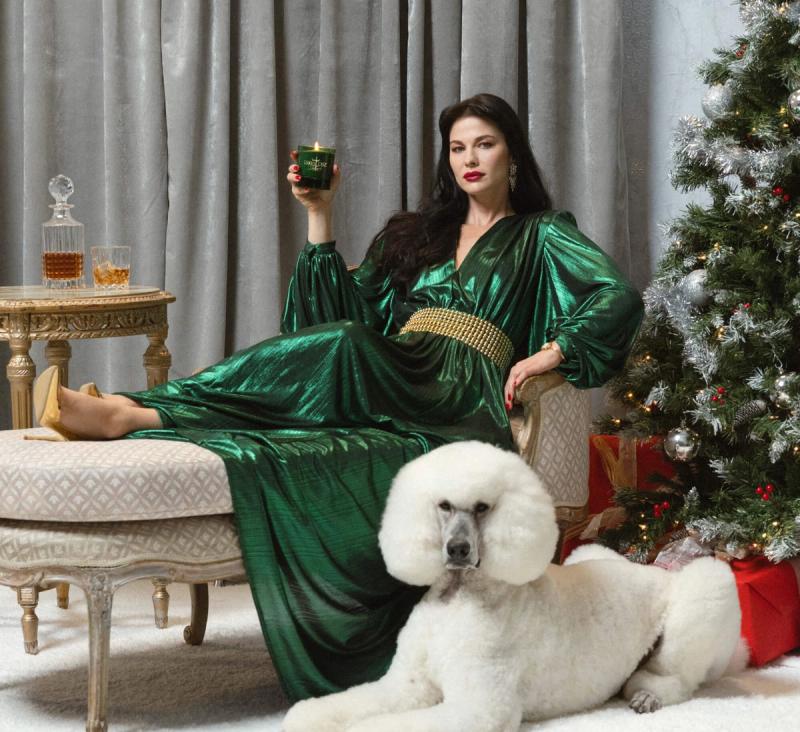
[35, 313]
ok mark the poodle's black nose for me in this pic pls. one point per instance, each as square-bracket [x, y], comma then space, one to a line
[458, 549]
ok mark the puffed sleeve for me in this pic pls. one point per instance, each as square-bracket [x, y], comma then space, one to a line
[322, 290]
[584, 303]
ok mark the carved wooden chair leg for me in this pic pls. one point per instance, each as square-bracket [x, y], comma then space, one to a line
[99, 598]
[161, 603]
[194, 633]
[28, 599]
[62, 595]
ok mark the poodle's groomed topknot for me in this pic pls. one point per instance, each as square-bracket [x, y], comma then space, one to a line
[518, 536]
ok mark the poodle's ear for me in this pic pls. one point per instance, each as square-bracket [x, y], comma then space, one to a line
[520, 533]
[410, 537]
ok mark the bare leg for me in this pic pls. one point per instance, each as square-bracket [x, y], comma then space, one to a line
[119, 399]
[107, 418]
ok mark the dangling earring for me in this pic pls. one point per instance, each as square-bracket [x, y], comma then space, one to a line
[512, 176]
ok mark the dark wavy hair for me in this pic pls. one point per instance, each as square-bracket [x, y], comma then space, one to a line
[416, 239]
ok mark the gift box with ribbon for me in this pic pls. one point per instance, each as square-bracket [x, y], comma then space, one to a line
[615, 462]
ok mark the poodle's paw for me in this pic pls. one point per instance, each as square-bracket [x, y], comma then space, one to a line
[644, 702]
[311, 714]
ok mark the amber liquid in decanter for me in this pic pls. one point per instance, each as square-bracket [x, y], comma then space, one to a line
[62, 265]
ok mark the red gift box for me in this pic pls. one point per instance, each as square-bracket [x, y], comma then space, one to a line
[770, 602]
[615, 463]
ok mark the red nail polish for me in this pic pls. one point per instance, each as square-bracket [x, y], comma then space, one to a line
[297, 177]
[295, 168]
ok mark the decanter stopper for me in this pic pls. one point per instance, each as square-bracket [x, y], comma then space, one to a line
[61, 188]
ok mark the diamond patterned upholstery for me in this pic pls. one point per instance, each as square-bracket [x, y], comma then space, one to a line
[551, 430]
[118, 480]
[34, 544]
[562, 450]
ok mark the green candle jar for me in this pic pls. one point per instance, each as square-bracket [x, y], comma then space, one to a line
[316, 166]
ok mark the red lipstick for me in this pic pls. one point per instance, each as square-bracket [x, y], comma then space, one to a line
[473, 175]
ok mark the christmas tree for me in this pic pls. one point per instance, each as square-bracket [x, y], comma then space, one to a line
[716, 368]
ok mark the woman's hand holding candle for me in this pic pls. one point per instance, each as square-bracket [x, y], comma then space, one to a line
[318, 202]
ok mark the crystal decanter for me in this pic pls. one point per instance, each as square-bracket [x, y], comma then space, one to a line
[62, 240]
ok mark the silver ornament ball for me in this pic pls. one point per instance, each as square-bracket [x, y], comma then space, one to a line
[694, 287]
[794, 104]
[782, 389]
[718, 101]
[681, 444]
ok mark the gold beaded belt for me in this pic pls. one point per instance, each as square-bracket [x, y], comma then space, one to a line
[476, 332]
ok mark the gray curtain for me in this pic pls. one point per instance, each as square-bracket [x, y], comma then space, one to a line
[175, 117]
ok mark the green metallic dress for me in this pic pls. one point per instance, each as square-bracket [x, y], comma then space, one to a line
[313, 424]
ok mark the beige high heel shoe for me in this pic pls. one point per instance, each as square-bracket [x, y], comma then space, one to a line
[46, 407]
[91, 389]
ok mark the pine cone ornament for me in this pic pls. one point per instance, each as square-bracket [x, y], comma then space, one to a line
[748, 412]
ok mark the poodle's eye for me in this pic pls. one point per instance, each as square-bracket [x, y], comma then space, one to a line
[481, 508]
[445, 506]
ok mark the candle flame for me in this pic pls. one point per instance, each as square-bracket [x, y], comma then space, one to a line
[316, 145]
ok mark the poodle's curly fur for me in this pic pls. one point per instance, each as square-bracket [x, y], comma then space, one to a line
[503, 635]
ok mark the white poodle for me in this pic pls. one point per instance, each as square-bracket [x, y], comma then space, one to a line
[503, 635]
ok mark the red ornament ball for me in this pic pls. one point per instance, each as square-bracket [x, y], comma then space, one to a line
[770, 487]
[747, 306]
[665, 505]
[777, 191]
[765, 497]
[759, 490]
[787, 197]
[720, 390]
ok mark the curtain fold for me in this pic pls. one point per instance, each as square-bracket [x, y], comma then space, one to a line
[175, 119]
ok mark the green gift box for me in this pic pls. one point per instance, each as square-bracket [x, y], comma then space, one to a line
[316, 165]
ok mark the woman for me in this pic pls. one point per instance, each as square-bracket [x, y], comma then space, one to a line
[413, 350]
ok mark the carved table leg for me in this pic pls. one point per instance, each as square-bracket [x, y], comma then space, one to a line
[58, 354]
[28, 599]
[20, 372]
[99, 597]
[161, 603]
[62, 595]
[157, 359]
[194, 633]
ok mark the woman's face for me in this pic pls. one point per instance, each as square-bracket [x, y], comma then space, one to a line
[479, 157]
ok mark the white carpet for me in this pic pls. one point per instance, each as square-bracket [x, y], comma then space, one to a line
[159, 683]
